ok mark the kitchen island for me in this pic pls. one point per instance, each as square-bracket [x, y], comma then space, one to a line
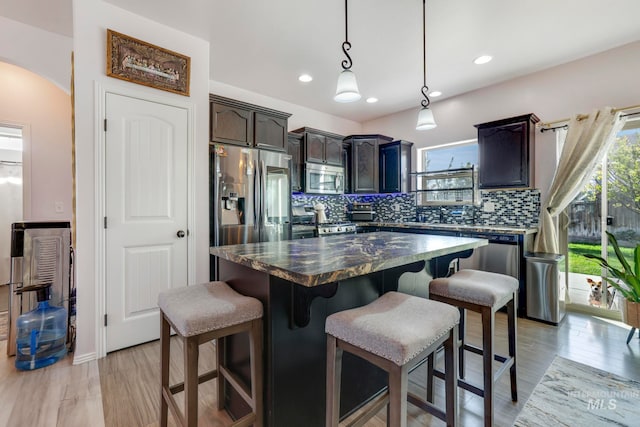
[300, 283]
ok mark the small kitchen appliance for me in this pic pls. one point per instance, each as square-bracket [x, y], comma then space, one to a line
[41, 253]
[361, 211]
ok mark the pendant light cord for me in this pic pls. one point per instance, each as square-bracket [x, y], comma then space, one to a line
[425, 89]
[346, 46]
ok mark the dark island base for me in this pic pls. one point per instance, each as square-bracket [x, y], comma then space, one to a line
[295, 353]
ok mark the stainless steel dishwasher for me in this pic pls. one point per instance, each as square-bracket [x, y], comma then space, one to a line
[501, 255]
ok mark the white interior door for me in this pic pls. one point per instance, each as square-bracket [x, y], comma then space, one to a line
[146, 214]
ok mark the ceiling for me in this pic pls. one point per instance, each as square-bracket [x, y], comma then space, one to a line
[263, 46]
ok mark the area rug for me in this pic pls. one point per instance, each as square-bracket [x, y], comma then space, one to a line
[573, 394]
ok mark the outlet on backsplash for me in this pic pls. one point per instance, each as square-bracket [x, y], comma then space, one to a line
[489, 207]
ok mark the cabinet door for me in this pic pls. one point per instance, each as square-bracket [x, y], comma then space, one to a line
[346, 164]
[270, 132]
[314, 147]
[390, 169]
[365, 165]
[294, 149]
[231, 125]
[333, 151]
[503, 156]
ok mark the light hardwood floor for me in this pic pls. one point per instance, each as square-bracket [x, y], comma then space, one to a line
[122, 390]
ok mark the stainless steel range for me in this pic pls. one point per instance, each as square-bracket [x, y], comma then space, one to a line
[331, 228]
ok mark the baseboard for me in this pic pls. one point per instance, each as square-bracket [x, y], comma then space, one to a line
[79, 359]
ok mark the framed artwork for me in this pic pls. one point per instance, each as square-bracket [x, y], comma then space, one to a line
[140, 62]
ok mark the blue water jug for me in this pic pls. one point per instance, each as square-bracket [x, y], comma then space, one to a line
[41, 333]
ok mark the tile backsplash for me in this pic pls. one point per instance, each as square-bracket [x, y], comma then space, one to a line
[395, 207]
[511, 207]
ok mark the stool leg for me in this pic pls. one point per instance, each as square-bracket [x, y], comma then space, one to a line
[220, 362]
[334, 376]
[630, 336]
[512, 331]
[430, 363]
[451, 381]
[256, 371]
[191, 350]
[165, 348]
[398, 383]
[487, 363]
[461, 335]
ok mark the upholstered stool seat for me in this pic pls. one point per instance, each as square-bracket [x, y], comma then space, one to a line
[485, 293]
[198, 314]
[394, 332]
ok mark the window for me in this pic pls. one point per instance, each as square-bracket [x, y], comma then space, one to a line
[449, 156]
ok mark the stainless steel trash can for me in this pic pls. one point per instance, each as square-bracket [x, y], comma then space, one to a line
[545, 289]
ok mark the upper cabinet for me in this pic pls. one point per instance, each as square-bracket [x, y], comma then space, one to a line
[294, 149]
[364, 162]
[395, 166]
[240, 123]
[321, 147]
[506, 152]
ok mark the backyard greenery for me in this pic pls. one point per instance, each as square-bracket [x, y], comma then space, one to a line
[579, 264]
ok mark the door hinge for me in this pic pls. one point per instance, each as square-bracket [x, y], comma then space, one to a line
[105, 125]
[105, 320]
[105, 222]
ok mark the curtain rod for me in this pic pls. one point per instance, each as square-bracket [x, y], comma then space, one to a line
[549, 125]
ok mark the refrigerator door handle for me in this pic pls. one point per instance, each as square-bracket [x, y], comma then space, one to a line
[255, 194]
[263, 191]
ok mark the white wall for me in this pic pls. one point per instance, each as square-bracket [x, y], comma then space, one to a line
[607, 79]
[300, 116]
[45, 111]
[91, 18]
[44, 53]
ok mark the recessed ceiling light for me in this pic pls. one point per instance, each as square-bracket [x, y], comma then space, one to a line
[305, 78]
[482, 59]
[372, 99]
[435, 93]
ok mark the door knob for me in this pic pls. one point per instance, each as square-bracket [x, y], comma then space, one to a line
[180, 234]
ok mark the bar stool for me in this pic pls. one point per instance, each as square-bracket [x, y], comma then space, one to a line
[485, 293]
[394, 332]
[198, 314]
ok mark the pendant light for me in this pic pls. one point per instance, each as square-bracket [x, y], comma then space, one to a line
[347, 90]
[425, 116]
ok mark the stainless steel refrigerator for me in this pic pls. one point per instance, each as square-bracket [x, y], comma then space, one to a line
[250, 196]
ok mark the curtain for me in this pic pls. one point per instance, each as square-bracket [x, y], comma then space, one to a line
[588, 138]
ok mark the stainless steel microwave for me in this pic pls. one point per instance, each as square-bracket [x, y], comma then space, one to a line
[323, 179]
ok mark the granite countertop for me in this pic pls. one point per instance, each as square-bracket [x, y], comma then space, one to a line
[478, 228]
[320, 260]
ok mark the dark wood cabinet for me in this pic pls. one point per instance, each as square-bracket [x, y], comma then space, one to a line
[346, 164]
[395, 165]
[294, 149]
[364, 162]
[321, 147]
[231, 125]
[506, 152]
[333, 151]
[270, 131]
[240, 123]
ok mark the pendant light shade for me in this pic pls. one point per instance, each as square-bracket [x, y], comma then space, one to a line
[425, 116]
[347, 89]
[425, 120]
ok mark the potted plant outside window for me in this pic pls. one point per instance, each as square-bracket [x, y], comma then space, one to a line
[626, 281]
